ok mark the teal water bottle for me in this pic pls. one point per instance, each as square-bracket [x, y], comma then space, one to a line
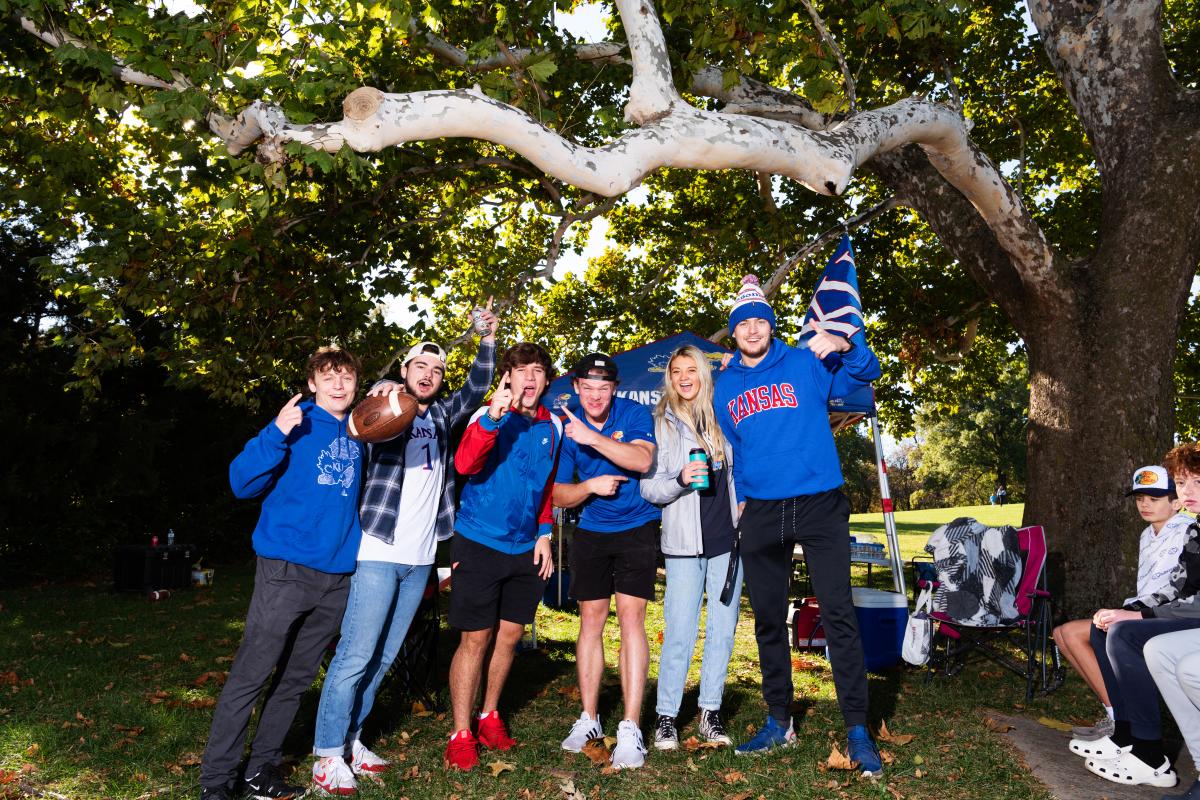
[698, 454]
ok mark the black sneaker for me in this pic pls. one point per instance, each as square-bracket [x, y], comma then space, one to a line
[665, 735]
[215, 793]
[268, 784]
[712, 728]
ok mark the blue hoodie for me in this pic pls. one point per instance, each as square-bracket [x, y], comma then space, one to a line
[309, 483]
[506, 503]
[776, 415]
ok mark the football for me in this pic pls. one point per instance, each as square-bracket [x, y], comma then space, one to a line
[382, 418]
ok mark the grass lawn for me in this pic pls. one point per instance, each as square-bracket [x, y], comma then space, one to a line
[105, 695]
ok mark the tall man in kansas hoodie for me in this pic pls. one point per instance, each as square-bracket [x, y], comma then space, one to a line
[306, 470]
[771, 403]
[501, 547]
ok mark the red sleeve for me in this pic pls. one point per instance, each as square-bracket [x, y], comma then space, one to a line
[473, 450]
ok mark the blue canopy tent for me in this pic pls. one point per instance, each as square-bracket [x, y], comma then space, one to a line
[641, 372]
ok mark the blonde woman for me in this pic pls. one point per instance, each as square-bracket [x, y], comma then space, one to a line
[697, 542]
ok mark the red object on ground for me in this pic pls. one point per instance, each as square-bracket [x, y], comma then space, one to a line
[462, 752]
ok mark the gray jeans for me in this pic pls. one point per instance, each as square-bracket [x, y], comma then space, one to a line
[294, 613]
[1174, 662]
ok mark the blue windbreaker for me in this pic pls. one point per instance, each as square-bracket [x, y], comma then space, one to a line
[309, 483]
[506, 503]
[776, 415]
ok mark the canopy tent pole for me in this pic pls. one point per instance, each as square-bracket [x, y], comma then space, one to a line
[889, 519]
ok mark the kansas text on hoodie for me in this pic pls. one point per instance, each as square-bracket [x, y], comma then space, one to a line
[776, 416]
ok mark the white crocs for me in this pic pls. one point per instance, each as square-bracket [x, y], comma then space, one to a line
[1130, 770]
[1104, 747]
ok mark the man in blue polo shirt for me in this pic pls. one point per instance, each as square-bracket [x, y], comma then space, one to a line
[605, 451]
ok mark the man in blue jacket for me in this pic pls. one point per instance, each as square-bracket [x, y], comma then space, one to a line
[772, 404]
[501, 545]
[306, 469]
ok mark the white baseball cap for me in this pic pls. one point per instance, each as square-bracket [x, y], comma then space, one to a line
[1152, 480]
[425, 349]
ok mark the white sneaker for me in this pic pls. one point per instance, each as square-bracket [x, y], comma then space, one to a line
[583, 731]
[332, 776]
[630, 752]
[363, 760]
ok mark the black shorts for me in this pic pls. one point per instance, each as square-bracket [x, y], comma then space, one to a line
[487, 585]
[624, 562]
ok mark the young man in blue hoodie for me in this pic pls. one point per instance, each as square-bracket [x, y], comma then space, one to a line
[772, 404]
[502, 552]
[306, 469]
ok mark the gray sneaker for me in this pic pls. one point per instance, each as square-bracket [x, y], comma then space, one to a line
[1103, 727]
[713, 729]
[666, 737]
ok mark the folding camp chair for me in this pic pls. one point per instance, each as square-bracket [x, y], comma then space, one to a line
[1036, 658]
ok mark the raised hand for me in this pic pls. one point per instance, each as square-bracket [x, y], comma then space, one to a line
[502, 398]
[822, 343]
[578, 431]
[290, 415]
[605, 485]
[491, 319]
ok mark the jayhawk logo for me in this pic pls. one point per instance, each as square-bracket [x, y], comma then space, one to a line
[335, 465]
[618, 436]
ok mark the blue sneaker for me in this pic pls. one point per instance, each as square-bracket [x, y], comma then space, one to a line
[862, 749]
[769, 736]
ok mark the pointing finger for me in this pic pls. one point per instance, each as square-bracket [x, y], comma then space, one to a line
[621, 478]
[489, 305]
[295, 399]
[567, 411]
[812, 323]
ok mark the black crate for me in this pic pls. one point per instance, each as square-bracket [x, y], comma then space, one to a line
[144, 569]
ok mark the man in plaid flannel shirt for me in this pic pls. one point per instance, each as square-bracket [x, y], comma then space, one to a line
[407, 507]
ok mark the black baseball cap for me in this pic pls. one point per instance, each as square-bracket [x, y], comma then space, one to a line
[597, 367]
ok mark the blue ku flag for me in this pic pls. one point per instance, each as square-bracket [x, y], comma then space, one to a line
[836, 306]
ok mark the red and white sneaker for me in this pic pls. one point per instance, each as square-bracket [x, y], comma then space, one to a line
[493, 733]
[462, 752]
[363, 761]
[333, 777]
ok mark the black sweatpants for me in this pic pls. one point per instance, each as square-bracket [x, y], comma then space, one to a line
[294, 614]
[820, 523]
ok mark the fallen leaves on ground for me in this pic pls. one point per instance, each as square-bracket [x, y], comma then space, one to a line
[806, 664]
[839, 760]
[596, 752]
[732, 776]
[992, 724]
[498, 768]
[218, 676]
[919, 774]
[568, 789]
[739, 796]
[1056, 724]
[899, 739]
[692, 744]
[886, 756]
[418, 709]
[571, 692]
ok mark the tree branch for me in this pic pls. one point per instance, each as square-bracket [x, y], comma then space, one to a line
[837, 51]
[119, 68]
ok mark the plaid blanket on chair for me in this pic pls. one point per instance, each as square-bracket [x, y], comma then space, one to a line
[979, 569]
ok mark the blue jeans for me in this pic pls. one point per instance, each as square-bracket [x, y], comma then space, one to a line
[383, 600]
[688, 579]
